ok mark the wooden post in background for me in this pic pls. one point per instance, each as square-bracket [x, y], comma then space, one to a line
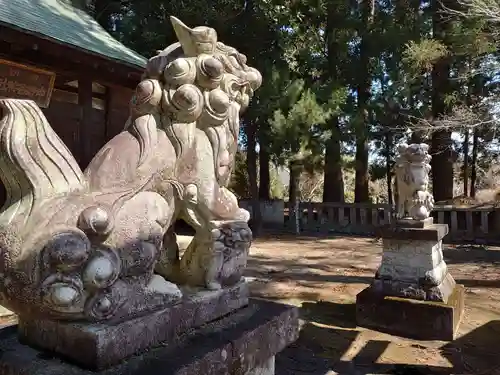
[85, 103]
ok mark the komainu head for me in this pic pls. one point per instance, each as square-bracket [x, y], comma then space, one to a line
[198, 78]
[413, 165]
[197, 82]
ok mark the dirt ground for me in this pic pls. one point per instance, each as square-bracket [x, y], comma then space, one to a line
[322, 277]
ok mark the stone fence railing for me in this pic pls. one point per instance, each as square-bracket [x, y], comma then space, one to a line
[478, 224]
[348, 218]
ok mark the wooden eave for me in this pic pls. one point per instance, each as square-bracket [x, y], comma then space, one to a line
[44, 52]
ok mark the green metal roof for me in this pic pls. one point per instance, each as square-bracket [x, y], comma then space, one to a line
[58, 20]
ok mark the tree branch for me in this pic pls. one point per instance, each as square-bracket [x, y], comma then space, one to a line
[486, 9]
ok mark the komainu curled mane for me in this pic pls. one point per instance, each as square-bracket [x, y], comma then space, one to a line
[98, 244]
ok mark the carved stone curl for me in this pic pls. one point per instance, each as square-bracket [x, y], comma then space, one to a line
[412, 180]
[98, 244]
[219, 258]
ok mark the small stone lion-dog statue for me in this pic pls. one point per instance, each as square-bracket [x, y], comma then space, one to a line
[412, 169]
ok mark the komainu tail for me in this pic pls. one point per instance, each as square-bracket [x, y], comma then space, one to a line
[34, 162]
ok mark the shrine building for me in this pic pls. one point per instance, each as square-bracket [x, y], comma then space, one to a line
[80, 76]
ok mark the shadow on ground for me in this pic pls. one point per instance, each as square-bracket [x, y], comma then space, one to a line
[330, 313]
[481, 258]
[460, 254]
[476, 352]
[320, 351]
[313, 268]
[316, 350]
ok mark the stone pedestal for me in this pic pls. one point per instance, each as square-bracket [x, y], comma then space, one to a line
[100, 345]
[244, 342]
[412, 293]
[412, 318]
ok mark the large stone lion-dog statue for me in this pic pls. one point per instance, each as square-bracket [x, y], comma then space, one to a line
[99, 244]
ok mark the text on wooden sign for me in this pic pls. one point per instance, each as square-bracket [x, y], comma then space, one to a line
[24, 82]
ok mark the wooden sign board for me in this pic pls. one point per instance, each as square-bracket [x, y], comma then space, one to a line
[25, 82]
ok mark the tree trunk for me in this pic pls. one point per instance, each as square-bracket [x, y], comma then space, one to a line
[442, 165]
[333, 185]
[293, 192]
[466, 143]
[388, 165]
[264, 174]
[466, 162]
[473, 172]
[361, 192]
[396, 195]
[251, 132]
[442, 158]
[407, 18]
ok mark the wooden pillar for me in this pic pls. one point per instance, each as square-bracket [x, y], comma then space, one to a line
[117, 110]
[85, 103]
[484, 222]
[109, 114]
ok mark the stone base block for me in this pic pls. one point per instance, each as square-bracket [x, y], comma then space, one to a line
[432, 232]
[416, 290]
[237, 344]
[412, 223]
[417, 319]
[100, 345]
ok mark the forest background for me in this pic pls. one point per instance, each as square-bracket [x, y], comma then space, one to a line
[345, 81]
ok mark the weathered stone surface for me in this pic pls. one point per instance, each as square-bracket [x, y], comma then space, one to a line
[266, 369]
[412, 167]
[218, 260]
[414, 269]
[423, 320]
[434, 232]
[416, 290]
[215, 349]
[412, 223]
[100, 345]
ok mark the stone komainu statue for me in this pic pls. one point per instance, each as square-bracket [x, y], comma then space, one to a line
[412, 169]
[99, 244]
